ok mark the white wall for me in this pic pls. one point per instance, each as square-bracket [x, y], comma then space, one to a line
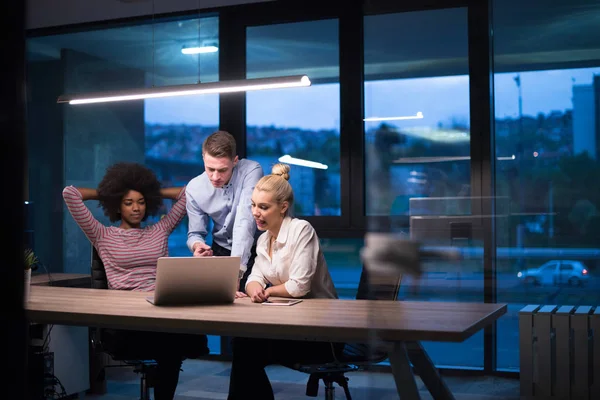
[48, 13]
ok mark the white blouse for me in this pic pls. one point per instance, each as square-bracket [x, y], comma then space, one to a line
[297, 262]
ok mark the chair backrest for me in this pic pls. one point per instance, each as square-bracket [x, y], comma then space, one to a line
[99, 280]
[382, 282]
[378, 287]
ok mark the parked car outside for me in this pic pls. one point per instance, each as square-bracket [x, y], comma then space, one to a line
[556, 272]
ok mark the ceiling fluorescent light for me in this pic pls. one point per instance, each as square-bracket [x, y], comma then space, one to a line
[241, 85]
[506, 158]
[199, 50]
[415, 160]
[303, 163]
[418, 115]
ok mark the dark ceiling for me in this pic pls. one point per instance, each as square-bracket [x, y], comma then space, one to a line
[528, 34]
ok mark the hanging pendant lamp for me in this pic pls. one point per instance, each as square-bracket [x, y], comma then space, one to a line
[232, 86]
[242, 85]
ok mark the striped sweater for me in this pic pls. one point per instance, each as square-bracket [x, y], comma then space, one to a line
[129, 255]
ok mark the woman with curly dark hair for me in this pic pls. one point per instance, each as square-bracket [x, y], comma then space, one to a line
[128, 194]
[120, 178]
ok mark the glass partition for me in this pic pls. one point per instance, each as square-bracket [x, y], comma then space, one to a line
[417, 156]
[547, 96]
[73, 145]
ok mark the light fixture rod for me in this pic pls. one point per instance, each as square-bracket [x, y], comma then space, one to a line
[418, 115]
[199, 50]
[241, 85]
[303, 163]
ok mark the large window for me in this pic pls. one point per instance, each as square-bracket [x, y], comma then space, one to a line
[417, 140]
[175, 129]
[417, 145]
[300, 126]
[73, 145]
[547, 97]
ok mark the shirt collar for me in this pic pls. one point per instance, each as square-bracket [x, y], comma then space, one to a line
[232, 179]
[284, 230]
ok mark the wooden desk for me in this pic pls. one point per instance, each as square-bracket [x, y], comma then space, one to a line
[61, 279]
[69, 344]
[398, 322]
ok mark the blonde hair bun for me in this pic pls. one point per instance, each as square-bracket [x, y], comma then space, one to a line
[282, 170]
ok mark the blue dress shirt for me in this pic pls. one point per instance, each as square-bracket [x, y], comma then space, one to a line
[229, 208]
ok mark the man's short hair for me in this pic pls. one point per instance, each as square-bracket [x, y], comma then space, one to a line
[220, 144]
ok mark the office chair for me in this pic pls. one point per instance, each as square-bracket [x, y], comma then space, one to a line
[103, 340]
[354, 356]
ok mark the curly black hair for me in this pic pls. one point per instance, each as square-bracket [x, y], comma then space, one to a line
[122, 177]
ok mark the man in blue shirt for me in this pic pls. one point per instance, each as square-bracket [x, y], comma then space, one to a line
[223, 193]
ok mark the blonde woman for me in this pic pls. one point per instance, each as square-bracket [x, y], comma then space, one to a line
[289, 263]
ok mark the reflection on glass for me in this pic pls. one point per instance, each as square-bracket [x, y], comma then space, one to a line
[416, 153]
[547, 251]
[546, 112]
[165, 134]
[298, 126]
[417, 156]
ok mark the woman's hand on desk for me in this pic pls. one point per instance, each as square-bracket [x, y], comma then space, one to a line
[256, 292]
[239, 295]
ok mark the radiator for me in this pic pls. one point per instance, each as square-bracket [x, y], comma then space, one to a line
[559, 352]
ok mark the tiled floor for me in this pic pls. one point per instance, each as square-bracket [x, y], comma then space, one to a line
[204, 380]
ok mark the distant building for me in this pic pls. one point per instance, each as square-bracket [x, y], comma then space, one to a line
[586, 118]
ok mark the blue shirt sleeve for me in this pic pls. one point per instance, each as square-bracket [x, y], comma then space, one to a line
[244, 226]
[197, 221]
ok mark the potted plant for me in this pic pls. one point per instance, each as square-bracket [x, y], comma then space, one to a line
[30, 261]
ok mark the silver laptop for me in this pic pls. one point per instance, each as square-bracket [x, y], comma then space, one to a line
[195, 280]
